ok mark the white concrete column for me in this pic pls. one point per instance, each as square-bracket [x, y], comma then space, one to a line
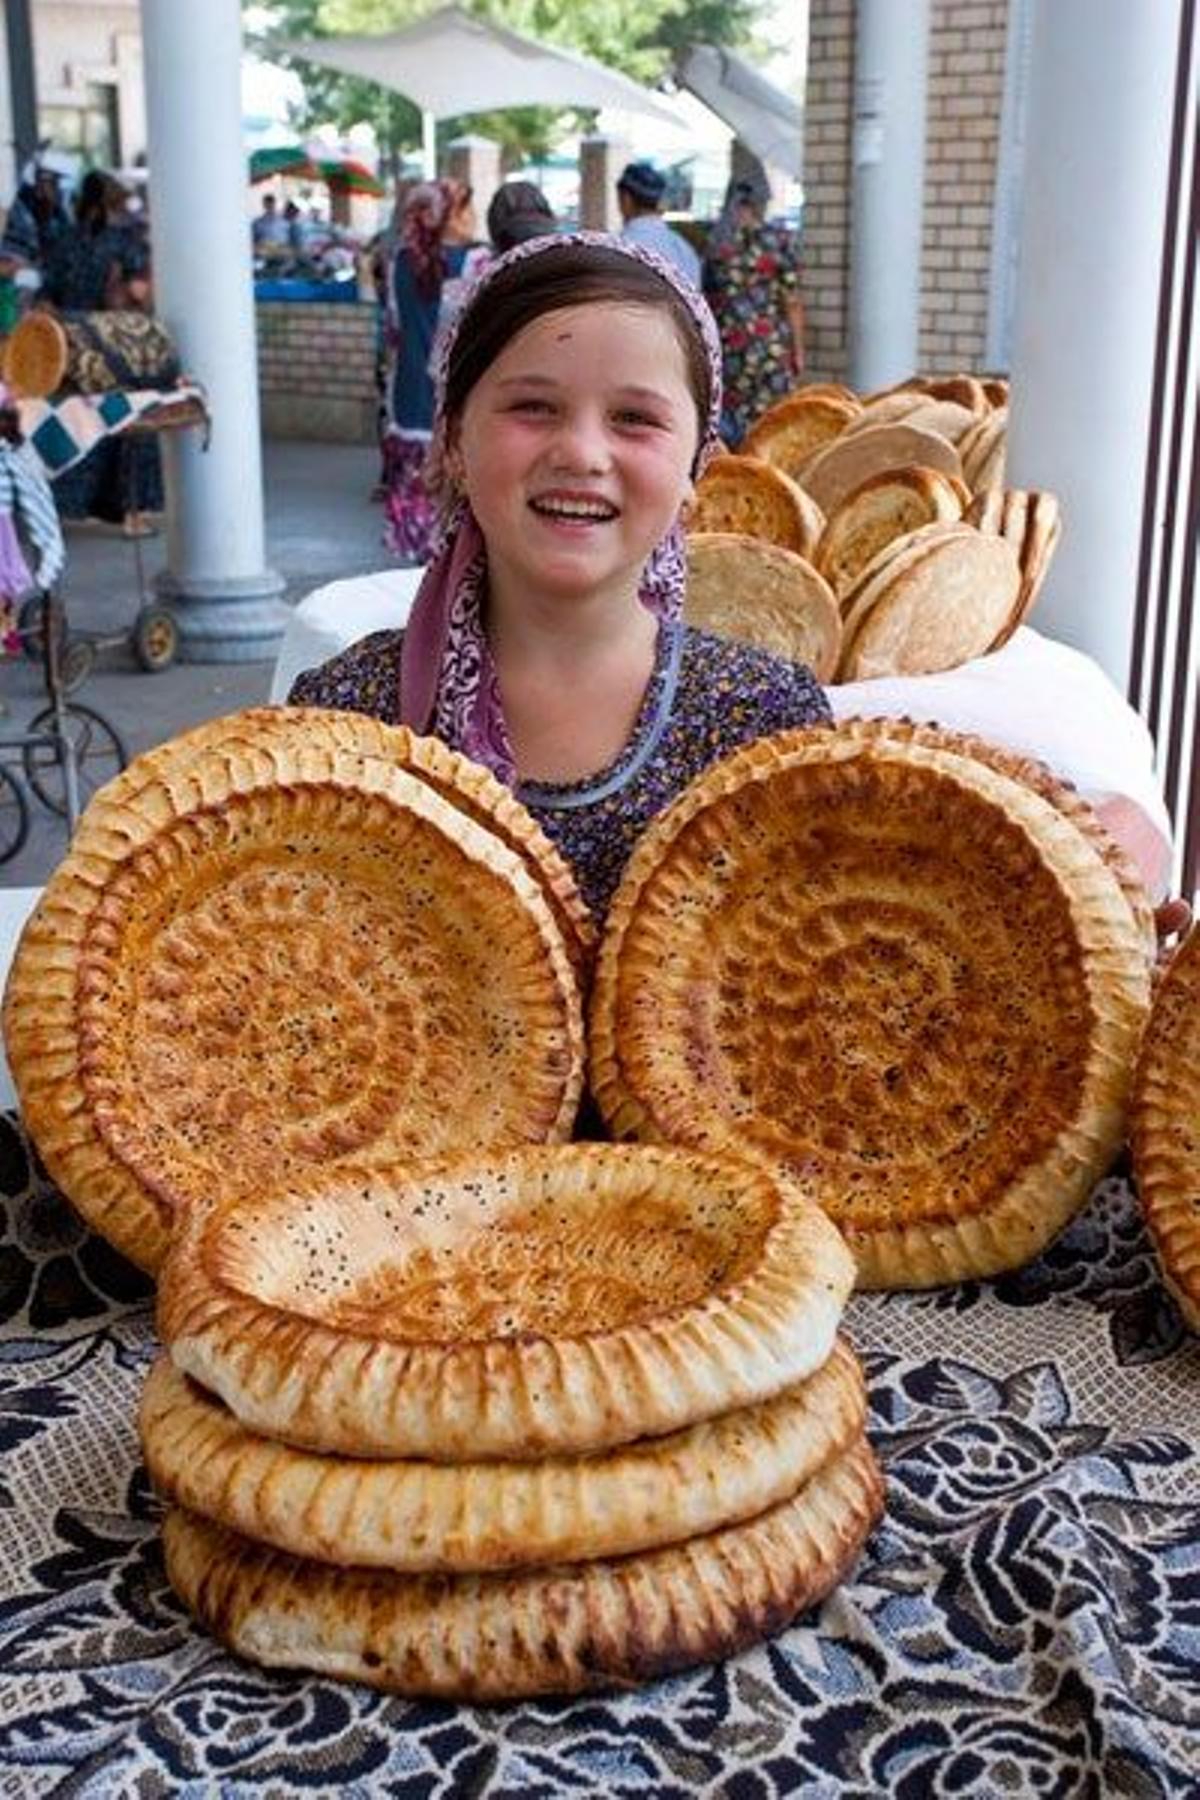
[891, 59]
[226, 599]
[1090, 257]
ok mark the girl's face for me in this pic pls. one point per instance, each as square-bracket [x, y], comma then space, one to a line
[575, 449]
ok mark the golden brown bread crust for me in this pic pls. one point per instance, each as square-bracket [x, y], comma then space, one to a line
[1064, 798]
[742, 587]
[740, 493]
[258, 973]
[789, 432]
[1037, 516]
[893, 971]
[264, 734]
[841, 466]
[983, 450]
[419, 1516]
[1165, 1126]
[942, 609]
[564, 1630]
[881, 509]
[514, 1305]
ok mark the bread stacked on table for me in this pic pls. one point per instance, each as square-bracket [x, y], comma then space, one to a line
[448, 1405]
[1165, 1127]
[888, 512]
[540, 1422]
[907, 968]
[288, 939]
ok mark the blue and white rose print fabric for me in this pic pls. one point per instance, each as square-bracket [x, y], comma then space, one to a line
[1024, 1622]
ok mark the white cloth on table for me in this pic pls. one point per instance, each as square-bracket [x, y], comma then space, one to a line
[1036, 696]
[1047, 700]
[338, 614]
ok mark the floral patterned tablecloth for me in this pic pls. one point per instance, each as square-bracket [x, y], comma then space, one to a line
[1025, 1622]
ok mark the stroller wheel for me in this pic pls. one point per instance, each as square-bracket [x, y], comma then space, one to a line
[78, 661]
[155, 638]
[30, 626]
[99, 754]
[14, 816]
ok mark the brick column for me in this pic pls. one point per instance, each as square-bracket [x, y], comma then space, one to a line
[966, 87]
[600, 162]
[826, 244]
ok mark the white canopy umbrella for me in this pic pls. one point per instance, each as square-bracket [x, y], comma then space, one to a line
[764, 116]
[450, 63]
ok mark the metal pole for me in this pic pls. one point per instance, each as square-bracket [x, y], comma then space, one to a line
[22, 81]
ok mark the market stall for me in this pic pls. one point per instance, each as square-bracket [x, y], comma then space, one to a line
[1021, 1622]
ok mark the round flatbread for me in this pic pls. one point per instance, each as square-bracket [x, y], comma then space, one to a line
[890, 970]
[424, 1517]
[1040, 522]
[983, 449]
[740, 587]
[511, 1306]
[1165, 1127]
[540, 1631]
[740, 493]
[265, 738]
[789, 432]
[918, 409]
[884, 507]
[1064, 798]
[279, 973]
[874, 579]
[943, 609]
[848, 461]
[965, 390]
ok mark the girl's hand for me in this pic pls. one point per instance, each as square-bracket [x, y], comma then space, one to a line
[1172, 919]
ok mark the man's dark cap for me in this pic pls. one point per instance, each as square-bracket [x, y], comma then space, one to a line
[643, 183]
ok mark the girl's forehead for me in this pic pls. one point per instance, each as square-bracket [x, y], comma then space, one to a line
[645, 324]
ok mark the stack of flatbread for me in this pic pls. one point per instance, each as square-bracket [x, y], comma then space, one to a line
[1165, 1127]
[908, 968]
[283, 940]
[539, 1422]
[881, 502]
[447, 1406]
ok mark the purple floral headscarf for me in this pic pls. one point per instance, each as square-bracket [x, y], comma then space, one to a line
[448, 680]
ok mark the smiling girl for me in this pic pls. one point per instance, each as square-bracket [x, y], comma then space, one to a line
[577, 403]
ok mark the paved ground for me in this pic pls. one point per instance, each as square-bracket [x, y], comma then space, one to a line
[320, 524]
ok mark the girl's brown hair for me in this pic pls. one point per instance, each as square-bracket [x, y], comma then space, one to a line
[573, 276]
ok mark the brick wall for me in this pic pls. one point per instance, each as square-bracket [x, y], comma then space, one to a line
[316, 369]
[966, 85]
[966, 81]
[828, 107]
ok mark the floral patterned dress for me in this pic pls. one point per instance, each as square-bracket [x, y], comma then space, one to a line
[749, 276]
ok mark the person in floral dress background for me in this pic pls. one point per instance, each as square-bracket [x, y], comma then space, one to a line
[752, 282]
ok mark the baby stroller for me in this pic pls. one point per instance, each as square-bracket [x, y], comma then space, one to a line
[67, 750]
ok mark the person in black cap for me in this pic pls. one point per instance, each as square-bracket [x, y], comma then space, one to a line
[640, 188]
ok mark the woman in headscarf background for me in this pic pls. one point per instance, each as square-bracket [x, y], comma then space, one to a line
[578, 401]
[752, 282]
[436, 236]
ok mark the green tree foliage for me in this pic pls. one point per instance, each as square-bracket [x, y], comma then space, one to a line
[638, 37]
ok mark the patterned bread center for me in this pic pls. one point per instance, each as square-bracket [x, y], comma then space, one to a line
[492, 1257]
[887, 995]
[247, 1010]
